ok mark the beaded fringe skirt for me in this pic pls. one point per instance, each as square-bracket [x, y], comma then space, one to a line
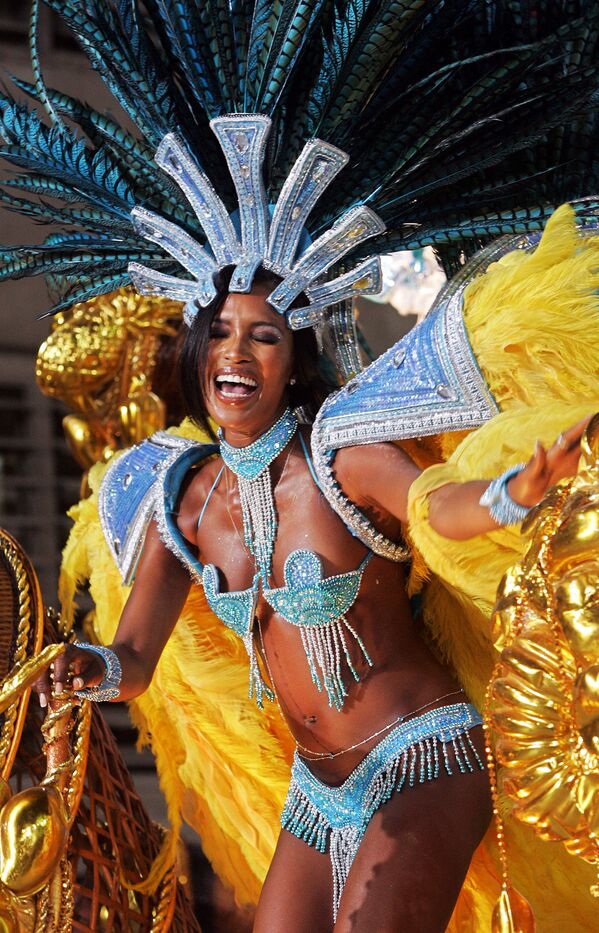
[412, 752]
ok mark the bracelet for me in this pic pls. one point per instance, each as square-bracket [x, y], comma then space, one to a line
[500, 504]
[108, 688]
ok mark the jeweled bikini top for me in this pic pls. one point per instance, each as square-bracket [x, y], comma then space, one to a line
[315, 605]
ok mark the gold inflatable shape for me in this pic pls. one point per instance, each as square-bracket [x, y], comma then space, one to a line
[100, 360]
[544, 695]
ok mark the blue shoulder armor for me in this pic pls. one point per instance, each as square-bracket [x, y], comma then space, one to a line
[428, 383]
[144, 482]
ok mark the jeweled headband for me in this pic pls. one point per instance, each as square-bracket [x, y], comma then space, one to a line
[270, 238]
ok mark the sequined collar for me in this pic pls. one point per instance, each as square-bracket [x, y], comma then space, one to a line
[249, 462]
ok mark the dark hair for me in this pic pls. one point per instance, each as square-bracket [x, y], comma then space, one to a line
[310, 388]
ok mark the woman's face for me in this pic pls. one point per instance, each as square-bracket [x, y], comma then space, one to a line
[250, 363]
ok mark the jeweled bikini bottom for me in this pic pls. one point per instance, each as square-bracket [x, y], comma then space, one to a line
[412, 752]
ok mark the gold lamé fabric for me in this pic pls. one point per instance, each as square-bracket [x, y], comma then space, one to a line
[545, 691]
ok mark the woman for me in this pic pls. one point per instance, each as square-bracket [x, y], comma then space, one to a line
[412, 852]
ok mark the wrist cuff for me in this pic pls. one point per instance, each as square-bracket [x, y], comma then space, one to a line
[108, 688]
[500, 504]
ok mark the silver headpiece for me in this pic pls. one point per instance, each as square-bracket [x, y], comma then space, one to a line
[272, 242]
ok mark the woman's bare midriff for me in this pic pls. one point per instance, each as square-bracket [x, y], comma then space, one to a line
[404, 675]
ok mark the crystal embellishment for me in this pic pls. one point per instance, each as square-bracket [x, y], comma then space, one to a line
[273, 243]
[242, 143]
[388, 402]
[248, 462]
[250, 465]
[335, 818]
[318, 608]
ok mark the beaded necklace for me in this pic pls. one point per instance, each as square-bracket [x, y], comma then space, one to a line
[230, 514]
[251, 467]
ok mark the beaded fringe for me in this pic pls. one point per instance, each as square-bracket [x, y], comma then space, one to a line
[417, 763]
[326, 647]
[257, 687]
[259, 518]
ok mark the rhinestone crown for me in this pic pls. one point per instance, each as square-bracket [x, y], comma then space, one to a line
[271, 240]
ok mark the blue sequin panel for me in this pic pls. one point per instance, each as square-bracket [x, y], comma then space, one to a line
[130, 491]
[125, 486]
[235, 609]
[307, 599]
[429, 382]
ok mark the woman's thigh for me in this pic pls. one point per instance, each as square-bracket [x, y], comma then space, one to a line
[297, 895]
[414, 856]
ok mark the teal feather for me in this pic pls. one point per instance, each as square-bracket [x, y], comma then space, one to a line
[218, 27]
[281, 51]
[338, 49]
[84, 289]
[239, 20]
[93, 218]
[462, 119]
[179, 24]
[32, 145]
[135, 159]
[74, 257]
[264, 21]
[121, 53]
[36, 66]
[97, 127]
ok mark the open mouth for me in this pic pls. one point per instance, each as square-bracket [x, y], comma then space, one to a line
[234, 386]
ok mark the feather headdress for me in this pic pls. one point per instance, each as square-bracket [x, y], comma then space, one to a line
[428, 123]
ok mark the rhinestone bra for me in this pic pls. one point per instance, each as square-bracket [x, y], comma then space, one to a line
[315, 605]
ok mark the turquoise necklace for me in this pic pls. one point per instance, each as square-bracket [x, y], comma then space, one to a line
[251, 467]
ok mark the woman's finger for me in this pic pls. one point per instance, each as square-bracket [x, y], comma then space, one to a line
[572, 435]
[78, 667]
[87, 669]
[60, 670]
[536, 465]
[43, 688]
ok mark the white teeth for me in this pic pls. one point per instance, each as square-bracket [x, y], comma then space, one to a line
[233, 377]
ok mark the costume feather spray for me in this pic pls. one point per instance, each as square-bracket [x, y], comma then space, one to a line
[463, 120]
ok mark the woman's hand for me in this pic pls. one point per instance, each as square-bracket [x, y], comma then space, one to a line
[76, 667]
[547, 467]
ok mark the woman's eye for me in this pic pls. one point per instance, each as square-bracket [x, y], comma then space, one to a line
[266, 337]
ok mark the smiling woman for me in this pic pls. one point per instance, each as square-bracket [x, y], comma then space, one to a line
[305, 385]
[306, 139]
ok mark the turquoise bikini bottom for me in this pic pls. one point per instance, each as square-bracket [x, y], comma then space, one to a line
[411, 752]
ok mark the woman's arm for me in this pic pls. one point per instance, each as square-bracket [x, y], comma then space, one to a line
[379, 476]
[154, 605]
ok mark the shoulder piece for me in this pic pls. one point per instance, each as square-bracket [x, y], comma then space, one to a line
[428, 383]
[134, 489]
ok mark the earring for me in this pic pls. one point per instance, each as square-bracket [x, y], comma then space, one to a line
[292, 381]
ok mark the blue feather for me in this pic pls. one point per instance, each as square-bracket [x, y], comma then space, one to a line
[120, 52]
[84, 289]
[52, 152]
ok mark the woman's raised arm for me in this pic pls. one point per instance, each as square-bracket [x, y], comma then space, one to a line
[379, 476]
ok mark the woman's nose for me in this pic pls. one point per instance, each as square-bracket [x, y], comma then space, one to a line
[236, 347]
